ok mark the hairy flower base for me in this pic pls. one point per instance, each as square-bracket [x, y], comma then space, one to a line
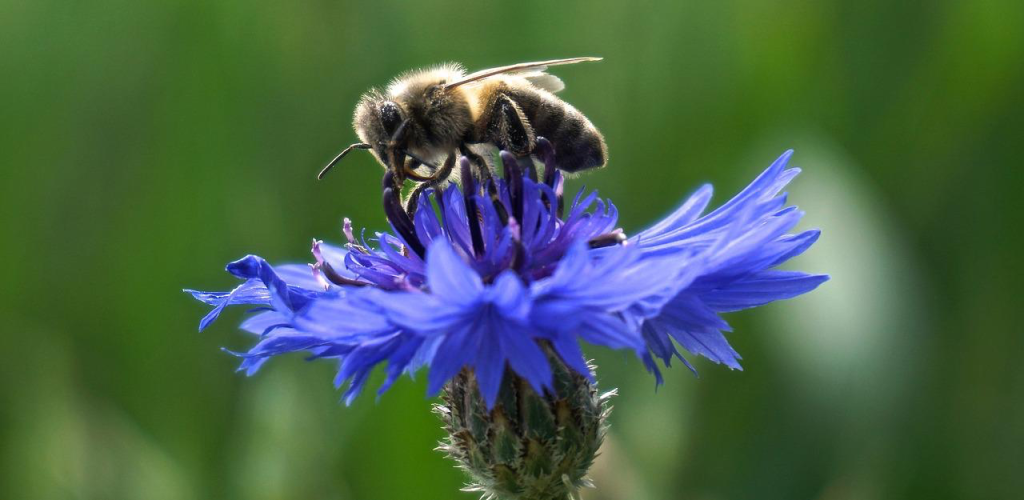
[529, 446]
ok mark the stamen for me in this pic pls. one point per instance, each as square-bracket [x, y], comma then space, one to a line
[317, 254]
[546, 152]
[346, 229]
[559, 188]
[319, 277]
[400, 220]
[324, 273]
[337, 278]
[514, 229]
[526, 163]
[499, 207]
[514, 178]
[389, 180]
[469, 192]
[413, 202]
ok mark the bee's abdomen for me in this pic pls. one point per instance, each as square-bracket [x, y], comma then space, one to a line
[578, 144]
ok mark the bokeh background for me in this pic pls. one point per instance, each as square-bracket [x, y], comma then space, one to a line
[146, 144]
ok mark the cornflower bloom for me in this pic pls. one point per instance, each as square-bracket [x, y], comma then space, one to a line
[492, 287]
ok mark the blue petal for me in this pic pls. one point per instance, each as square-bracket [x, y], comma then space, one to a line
[686, 213]
[449, 276]
[610, 331]
[452, 355]
[525, 356]
[351, 316]
[489, 360]
[762, 288]
[297, 275]
[250, 292]
[569, 350]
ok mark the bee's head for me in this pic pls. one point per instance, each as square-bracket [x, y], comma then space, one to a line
[386, 129]
[417, 117]
[381, 123]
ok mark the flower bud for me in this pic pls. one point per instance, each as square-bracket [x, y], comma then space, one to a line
[529, 446]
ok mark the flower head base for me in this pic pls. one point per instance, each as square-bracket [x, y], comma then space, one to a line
[530, 446]
[493, 285]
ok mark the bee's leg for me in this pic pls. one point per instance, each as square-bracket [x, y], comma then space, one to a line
[433, 181]
[482, 168]
[409, 171]
[509, 129]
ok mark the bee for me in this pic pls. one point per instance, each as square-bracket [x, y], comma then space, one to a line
[430, 116]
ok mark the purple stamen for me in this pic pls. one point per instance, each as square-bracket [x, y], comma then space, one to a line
[514, 177]
[546, 153]
[469, 195]
[346, 229]
[400, 220]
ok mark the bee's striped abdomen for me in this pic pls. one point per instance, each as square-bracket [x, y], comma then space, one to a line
[578, 144]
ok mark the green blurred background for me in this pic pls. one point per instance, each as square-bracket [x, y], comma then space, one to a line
[146, 144]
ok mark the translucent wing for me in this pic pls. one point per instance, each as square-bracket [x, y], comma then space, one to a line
[532, 67]
[543, 80]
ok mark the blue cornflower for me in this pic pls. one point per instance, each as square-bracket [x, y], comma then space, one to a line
[496, 275]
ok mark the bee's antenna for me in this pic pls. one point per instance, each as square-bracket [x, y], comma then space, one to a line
[358, 145]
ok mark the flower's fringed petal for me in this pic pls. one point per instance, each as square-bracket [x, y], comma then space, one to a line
[454, 352]
[737, 246]
[262, 286]
[352, 317]
[265, 322]
[273, 345]
[376, 269]
[489, 361]
[612, 283]
[449, 276]
[652, 368]
[685, 214]
[695, 327]
[403, 359]
[426, 313]
[281, 297]
[587, 293]
[524, 356]
[410, 265]
[762, 288]
[456, 223]
[757, 200]
[611, 331]
[509, 297]
[428, 227]
[298, 275]
[357, 364]
[659, 343]
[709, 343]
[250, 292]
[569, 350]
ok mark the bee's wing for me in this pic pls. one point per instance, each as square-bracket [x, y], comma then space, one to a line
[538, 67]
[543, 80]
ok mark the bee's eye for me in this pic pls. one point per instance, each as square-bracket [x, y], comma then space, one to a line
[390, 117]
